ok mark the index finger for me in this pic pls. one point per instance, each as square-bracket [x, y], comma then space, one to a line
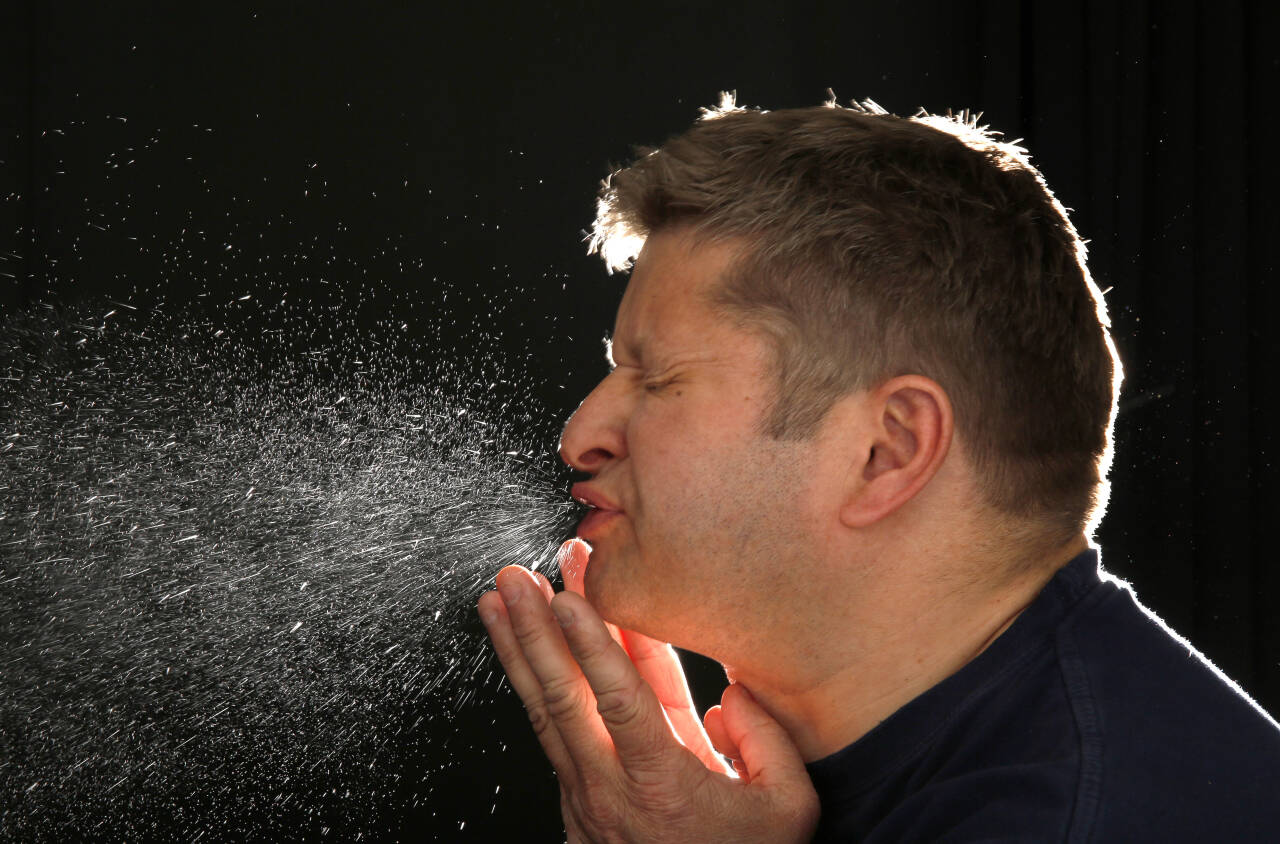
[562, 691]
[493, 612]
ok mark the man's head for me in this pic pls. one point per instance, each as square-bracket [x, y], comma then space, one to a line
[840, 249]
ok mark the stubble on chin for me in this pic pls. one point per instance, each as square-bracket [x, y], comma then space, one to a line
[623, 592]
[602, 585]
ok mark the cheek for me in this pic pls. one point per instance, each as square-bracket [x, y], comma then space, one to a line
[704, 483]
[691, 509]
[675, 466]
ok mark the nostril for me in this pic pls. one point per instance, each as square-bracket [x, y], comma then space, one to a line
[589, 460]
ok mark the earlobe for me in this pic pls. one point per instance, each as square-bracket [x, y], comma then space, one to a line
[912, 436]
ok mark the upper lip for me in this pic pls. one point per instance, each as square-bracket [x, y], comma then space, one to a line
[592, 497]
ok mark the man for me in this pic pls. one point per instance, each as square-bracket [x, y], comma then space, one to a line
[852, 446]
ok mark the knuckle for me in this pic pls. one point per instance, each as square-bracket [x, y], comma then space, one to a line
[595, 647]
[598, 812]
[801, 812]
[562, 697]
[540, 719]
[619, 705]
[598, 807]
[527, 634]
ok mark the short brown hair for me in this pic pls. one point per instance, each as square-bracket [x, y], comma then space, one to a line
[878, 246]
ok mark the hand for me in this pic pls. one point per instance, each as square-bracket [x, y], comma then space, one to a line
[657, 663]
[623, 736]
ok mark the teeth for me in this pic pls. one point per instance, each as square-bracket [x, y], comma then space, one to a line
[585, 503]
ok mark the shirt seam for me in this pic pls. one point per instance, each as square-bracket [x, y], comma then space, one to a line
[1088, 725]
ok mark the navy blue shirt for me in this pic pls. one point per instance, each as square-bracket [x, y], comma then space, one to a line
[1087, 720]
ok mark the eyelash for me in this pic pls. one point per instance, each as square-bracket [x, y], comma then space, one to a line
[655, 386]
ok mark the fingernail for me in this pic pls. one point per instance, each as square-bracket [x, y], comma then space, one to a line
[510, 590]
[564, 615]
[488, 616]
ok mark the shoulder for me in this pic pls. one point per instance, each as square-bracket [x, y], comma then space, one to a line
[1002, 764]
[1089, 720]
[1109, 729]
[1170, 746]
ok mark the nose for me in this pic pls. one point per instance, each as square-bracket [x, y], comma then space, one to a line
[595, 434]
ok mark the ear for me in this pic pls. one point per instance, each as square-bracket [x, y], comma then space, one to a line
[912, 424]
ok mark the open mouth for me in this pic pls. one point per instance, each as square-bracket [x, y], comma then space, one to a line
[599, 510]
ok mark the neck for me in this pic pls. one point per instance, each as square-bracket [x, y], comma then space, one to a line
[920, 634]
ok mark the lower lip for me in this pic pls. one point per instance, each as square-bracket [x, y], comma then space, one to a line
[595, 520]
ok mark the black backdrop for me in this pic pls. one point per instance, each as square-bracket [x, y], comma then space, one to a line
[459, 147]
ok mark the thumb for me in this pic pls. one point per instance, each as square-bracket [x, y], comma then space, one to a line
[713, 723]
[770, 756]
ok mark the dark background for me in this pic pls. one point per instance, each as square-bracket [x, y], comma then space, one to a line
[459, 149]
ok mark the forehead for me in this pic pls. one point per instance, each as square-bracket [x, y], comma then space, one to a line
[668, 298]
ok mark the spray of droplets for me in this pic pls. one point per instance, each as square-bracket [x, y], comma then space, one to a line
[233, 567]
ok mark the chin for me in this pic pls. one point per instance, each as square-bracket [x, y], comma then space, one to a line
[597, 586]
[614, 596]
[631, 592]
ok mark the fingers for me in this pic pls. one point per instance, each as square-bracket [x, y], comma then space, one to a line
[627, 705]
[593, 711]
[493, 613]
[548, 591]
[563, 694]
[657, 662]
[572, 561]
[659, 665]
[719, 734]
[766, 749]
